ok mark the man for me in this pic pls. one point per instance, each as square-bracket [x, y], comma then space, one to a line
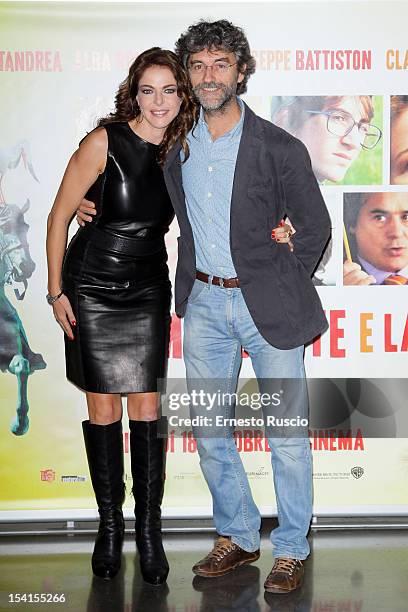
[377, 228]
[237, 288]
[334, 129]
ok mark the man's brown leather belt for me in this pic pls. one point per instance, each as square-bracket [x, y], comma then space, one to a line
[228, 283]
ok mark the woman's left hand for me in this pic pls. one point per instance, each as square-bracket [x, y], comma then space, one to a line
[64, 315]
[283, 234]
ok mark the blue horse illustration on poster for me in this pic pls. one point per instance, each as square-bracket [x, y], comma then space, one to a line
[16, 267]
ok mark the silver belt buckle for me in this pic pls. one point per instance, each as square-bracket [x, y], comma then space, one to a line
[222, 282]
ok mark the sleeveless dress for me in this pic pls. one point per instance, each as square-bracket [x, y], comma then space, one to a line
[116, 277]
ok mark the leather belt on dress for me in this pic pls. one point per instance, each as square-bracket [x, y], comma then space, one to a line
[228, 283]
[108, 241]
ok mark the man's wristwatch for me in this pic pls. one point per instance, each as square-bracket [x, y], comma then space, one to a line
[53, 298]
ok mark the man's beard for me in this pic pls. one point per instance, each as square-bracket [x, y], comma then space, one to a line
[227, 93]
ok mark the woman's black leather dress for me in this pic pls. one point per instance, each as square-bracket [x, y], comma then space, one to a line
[116, 277]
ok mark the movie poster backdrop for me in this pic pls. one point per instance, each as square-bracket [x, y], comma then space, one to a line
[339, 86]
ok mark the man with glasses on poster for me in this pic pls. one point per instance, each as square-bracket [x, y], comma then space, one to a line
[335, 129]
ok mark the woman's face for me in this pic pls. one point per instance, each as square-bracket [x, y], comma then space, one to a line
[399, 149]
[332, 155]
[157, 97]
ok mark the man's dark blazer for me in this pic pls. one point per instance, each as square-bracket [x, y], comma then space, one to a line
[273, 177]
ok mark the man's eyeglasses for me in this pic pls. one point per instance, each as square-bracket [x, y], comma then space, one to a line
[217, 67]
[340, 123]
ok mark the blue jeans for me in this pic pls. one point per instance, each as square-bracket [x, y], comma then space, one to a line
[217, 324]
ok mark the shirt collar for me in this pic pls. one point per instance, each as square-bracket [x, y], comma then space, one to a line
[404, 272]
[203, 127]
[380, 275]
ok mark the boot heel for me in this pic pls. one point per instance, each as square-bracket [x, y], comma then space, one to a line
[106, 557]
[154, 566]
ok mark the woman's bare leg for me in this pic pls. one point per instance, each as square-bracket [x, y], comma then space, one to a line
[143, 406]
[104, 408]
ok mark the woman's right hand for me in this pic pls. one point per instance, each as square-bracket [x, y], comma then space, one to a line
[64, 315]
[85, 212]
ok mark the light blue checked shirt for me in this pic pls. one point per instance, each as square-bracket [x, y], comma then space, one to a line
[208, 176]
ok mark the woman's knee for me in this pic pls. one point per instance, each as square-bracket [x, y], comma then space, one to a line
[143, 406]
[104, 409]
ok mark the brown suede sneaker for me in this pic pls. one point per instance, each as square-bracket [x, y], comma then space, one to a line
[224, 557]
[286, 575]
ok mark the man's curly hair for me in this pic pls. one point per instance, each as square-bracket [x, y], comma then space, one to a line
[218, 35]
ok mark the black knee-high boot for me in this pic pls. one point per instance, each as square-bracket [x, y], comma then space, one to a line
[148, 460]
[104, 449]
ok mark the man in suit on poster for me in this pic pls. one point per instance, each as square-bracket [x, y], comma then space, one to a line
[377, 230]
[235, 287]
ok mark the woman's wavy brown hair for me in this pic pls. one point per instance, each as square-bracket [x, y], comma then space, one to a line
[126, 107]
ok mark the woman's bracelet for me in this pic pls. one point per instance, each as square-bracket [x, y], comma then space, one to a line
[53, 298]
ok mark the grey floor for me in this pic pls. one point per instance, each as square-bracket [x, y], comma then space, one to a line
[348, 571]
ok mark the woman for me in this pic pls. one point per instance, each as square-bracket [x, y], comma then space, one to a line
[333, 128]
[111, 295]
[399, 140]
